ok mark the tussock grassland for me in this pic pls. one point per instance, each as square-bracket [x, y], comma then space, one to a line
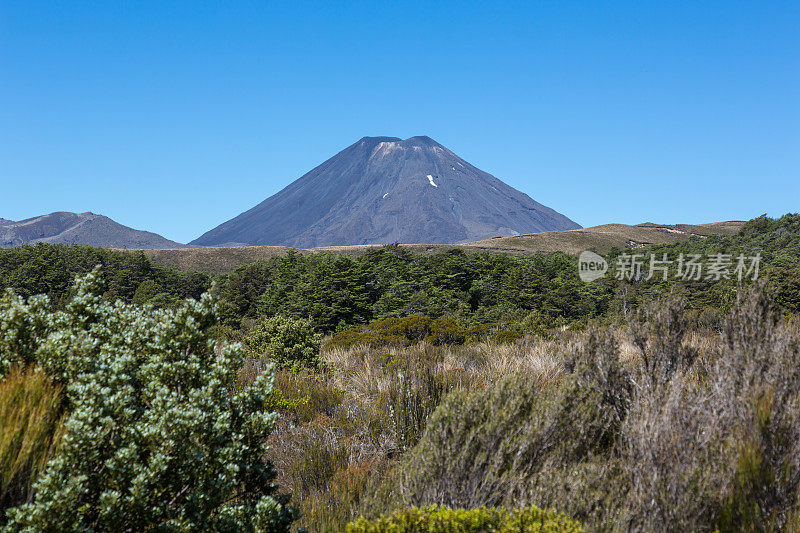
[360, 415]
[650, 426]
[602, 238]
[31, 426]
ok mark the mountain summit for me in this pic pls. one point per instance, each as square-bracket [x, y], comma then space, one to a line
[384, 189]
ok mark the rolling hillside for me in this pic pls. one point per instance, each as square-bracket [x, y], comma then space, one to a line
[80, 228]
[598, 238]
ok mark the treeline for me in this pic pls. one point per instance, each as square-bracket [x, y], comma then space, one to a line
[337, 292]
[128, 276]
[777, 241]
[478, 288]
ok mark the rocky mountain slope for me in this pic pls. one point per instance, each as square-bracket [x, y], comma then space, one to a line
[79, 228]
[384, 189]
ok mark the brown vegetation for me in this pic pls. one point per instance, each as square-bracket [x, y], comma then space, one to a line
[215, 260]
[31, 426]
[649, 427]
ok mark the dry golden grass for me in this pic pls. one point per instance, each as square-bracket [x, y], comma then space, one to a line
[599, 238]
[369, 405]
[603, 238]
[31, 425]
[366, 373]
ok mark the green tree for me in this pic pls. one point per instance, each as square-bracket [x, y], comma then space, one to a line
[288, 342]
[147, 289]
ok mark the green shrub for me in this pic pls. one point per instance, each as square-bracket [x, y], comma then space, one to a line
[445, 331]
[158, 436]
[436, 519]
[289, 343]
[277, 401]
[310, 394]
[226, 334]
[468, 456]
[480, 332]
[23, 326]
[398, 332]
[505, 337]
[387, 332]
[493, 446]
[534, 324]
[147, 290]
[414, 327]
[521, 442]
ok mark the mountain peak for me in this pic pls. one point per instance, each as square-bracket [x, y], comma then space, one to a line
[418, 140]
[385, 189]
[372, 141]
[421, 140]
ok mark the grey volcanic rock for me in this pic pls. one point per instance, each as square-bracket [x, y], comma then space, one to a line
[79, 228]
[383, 189]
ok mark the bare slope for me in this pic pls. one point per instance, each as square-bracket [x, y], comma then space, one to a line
[79, 228]
[382, 190]
[603, 238]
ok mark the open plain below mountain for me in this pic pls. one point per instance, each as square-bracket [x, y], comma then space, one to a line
[598, 238]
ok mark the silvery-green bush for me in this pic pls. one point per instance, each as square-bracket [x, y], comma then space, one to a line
[159, 435]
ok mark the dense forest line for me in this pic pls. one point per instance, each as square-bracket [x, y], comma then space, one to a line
[128, 276]
[337, 292]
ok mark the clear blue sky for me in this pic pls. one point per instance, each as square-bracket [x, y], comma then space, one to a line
[176, 116]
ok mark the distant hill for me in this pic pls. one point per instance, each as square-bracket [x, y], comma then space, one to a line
[384, 189]
[603, 238]
[598, 238]
[79, 228]
[5, 221]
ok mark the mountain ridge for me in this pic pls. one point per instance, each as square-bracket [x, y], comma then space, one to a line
[90, 229]
[384, 189]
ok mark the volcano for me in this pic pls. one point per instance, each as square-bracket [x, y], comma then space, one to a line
[382, 190]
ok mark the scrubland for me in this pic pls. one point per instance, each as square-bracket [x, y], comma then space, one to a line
[644, 426]
[391, 392]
